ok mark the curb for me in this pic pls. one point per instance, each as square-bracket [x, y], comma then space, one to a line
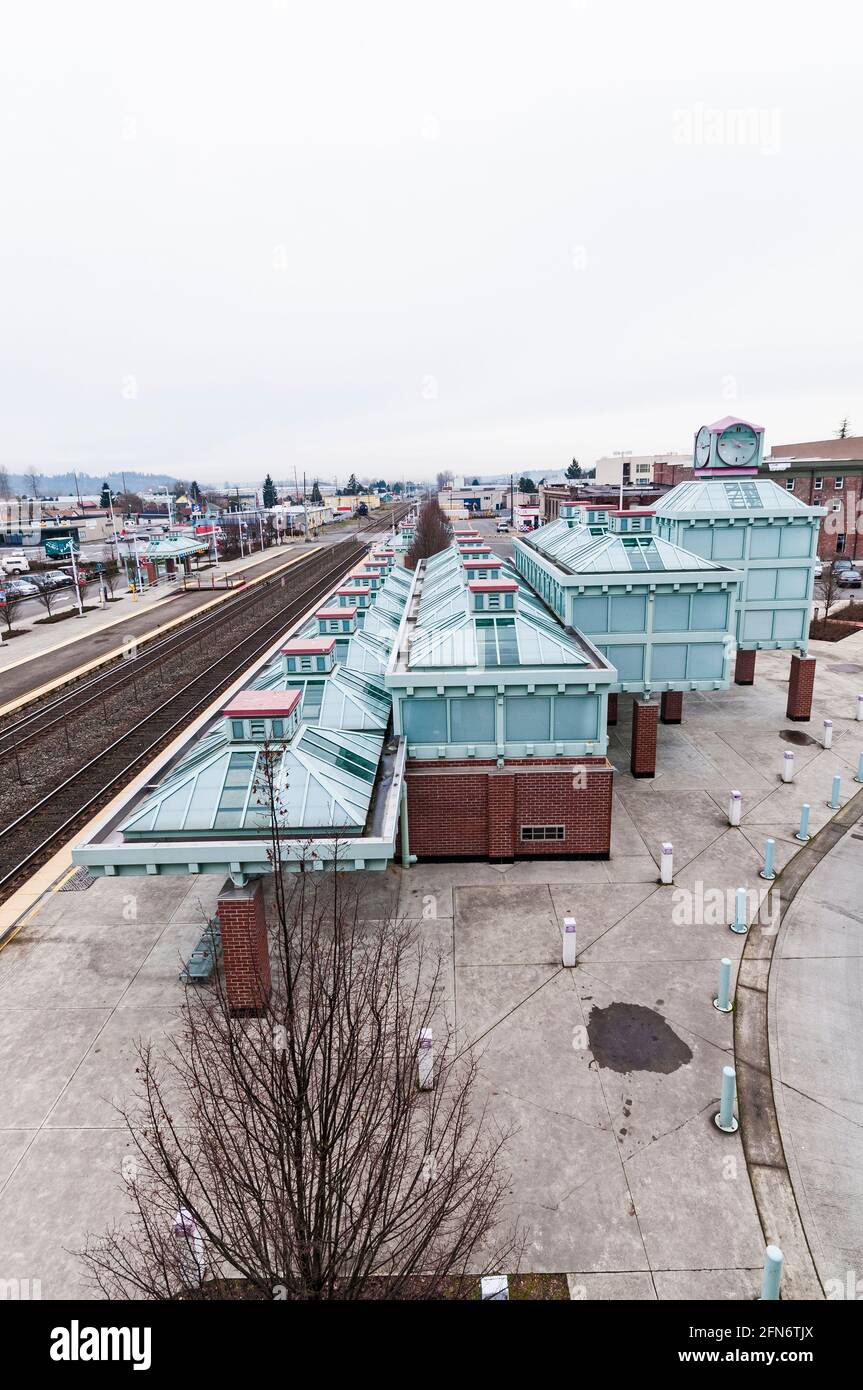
[766, 1163]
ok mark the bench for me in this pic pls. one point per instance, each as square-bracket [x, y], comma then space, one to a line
[205, 956]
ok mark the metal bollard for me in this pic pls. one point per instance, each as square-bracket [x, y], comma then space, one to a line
[726, 1120]
[722, 1002]
[828, 733]
[833, 803]
[739, 924]
[859, 776]
[803, 833]
[569, 948]
[735, 805]
[666, 862]
[859, 715]
[425, 1060]
[772, 1278]
[769, 853]
[788, 767]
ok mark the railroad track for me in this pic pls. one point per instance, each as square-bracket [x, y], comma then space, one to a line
[33, 836]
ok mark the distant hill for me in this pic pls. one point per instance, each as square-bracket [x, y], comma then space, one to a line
[64, 484]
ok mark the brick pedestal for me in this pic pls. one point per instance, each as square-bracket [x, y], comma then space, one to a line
[612, 710]
[642, 759]
[244, 946]
[744, 668]
[671, 707]
[801, 684]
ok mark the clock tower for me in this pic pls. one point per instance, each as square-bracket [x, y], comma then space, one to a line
[730, 447]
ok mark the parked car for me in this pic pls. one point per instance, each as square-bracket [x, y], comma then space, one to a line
[849, 579]
[21, 588]
[53, 579]
[502, 528]
[14, 562]
[842, 565]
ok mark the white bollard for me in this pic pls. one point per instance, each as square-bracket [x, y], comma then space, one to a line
[666, 863]
[735, 806]
[788, 767]
[569, 948]
[425, 1060]
[190, 1247]
[828, 733]
[859, 708]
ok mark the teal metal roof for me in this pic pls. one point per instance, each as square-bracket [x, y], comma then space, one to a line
[613, 554]
[324, 780]
[723, 497]
[449, 634]
[174, 547]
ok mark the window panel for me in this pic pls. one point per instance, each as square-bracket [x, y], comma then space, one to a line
[727, 543]
[425, 721]
[709, 612]
[528, 718]
[628, 613]
[576, 716]
[671, 613]
[705, 661]
[629, 661]
[472, 720]
[668, 661]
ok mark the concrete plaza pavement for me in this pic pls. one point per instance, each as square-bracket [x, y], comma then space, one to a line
[608, 1074]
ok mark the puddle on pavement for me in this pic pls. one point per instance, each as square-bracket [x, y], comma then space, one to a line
[630, 1037]
[846, 668]
[797, 736]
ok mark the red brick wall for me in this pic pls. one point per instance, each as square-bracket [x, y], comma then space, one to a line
[475, 810]
[243, 921]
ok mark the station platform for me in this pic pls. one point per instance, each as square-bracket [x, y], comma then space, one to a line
[60, 659]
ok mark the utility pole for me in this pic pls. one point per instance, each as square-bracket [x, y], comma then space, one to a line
[511, 503]
[305, 513]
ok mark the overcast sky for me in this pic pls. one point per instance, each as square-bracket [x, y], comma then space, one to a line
[395, 238]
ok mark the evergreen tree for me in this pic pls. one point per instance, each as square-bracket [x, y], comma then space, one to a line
[574, 470]
[352, 486]
[269, 492]
[526, 484]
[844, 429]
[105, 499]
[195, 493]
[316, 492]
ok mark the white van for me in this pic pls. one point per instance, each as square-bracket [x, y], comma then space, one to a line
[14, 562]
[502, 528]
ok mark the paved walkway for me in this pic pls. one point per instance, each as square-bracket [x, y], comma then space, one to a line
[816, 1013]
[609, 1073]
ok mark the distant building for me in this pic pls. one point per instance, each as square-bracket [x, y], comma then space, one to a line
[637, 468]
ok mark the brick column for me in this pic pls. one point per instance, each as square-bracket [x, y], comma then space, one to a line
[744, 668]
[612, 710]
[642, 760]
[244, 946]
[501, 817]
[671, 707]
[801, 684]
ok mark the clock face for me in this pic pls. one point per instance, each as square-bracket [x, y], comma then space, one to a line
[702, 447]
[737, 445]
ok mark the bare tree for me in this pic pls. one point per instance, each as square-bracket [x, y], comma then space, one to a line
[433, 533]
[48, 596]
[10, 606]
[5, 485]
[35, 477]
[293, 1155]
[444, 480]
[827, 590]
